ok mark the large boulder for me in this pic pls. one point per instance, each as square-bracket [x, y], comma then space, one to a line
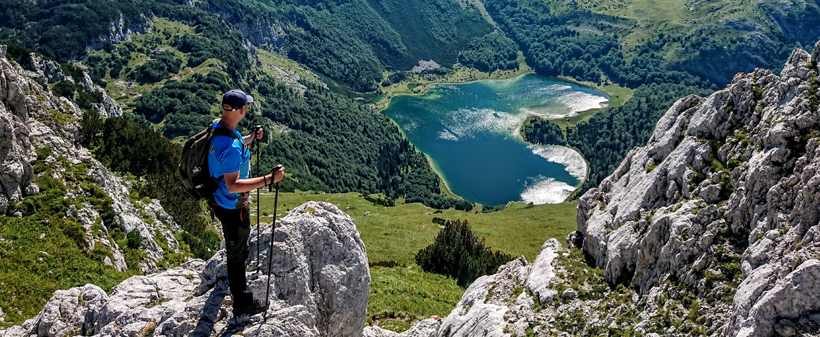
[319, 286]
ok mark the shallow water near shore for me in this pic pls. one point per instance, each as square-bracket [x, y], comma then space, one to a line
[471, 134]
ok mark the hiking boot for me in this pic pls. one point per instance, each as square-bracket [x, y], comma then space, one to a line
[246, 305]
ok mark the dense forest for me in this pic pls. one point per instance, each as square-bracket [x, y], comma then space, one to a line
[490, 52]
[542, 131]
[553, 47]
[62, 29]
[353, 42]
[350, 42]
[185, 105]
[161, 65]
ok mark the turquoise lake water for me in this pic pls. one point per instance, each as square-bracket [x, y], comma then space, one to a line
[471, 134]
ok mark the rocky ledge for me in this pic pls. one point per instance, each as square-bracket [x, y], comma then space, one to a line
[319, 286]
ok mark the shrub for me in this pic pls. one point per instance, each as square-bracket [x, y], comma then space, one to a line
[133, 240]
[157, 69]
[460, 254]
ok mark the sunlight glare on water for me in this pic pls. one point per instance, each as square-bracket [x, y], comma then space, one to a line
[471, 132]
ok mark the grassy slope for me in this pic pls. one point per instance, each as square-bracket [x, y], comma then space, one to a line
[275, 65]
[36, 259]
[397, 233]
[672, 17]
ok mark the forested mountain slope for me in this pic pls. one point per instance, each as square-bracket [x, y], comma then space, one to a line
[351, 42]
[172, 75]
[664, 49]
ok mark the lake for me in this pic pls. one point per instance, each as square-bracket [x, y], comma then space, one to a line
[471, 133]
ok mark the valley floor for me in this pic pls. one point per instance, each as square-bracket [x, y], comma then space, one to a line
[400, 291]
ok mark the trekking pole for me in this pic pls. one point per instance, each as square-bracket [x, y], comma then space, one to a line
[254, 131]
[270, 249]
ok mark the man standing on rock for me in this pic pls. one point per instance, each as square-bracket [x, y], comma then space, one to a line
[230, 158]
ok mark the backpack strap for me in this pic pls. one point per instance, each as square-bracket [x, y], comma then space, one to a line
[222, 131]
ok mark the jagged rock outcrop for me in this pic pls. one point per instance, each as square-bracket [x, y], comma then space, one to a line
[725, 182]
[119, 33]
[712, 229]
[263, 32]
[424, 328]
[49, 71]
[32, 120]
[319, 287]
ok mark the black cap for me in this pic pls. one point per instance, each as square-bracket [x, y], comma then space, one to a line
[235, 99]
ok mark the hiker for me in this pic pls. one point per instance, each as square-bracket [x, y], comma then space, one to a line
[230, 158]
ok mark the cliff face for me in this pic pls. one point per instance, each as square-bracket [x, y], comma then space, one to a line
[39, 135]
[710, 229]
[320, 283]
[726, 182]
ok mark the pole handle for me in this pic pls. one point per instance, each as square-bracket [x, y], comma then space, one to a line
[274, 169]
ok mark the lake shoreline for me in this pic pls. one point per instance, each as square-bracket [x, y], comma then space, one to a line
[446, 186]
[403, 88]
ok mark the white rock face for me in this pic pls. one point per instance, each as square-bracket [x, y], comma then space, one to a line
[739, 166]
[425, 328]
[49, 72]
[119, 33]
[28, 123]
[320, 283]
[501, 304]
[425, 65]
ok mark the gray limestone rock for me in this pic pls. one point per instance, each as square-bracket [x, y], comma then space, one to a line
[495, 303]
[542, 273]
[120, 31]
[319, 287]
[765, 191]
[791, 297]
[425, 328]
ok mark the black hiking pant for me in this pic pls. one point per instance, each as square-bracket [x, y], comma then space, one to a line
[236, 228]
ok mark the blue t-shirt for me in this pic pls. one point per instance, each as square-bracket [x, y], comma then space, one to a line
[228, 155]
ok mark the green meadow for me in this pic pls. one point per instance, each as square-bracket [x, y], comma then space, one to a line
[400, 291]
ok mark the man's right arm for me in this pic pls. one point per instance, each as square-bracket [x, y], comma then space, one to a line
[236, 185]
